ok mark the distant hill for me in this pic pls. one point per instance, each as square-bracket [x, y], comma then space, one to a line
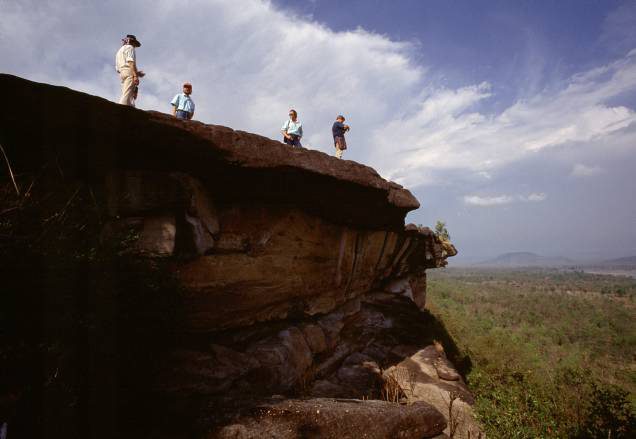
[628, 262]
[525, 259]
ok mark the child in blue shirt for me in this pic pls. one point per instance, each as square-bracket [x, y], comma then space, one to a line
[182, 104]
[338, 130]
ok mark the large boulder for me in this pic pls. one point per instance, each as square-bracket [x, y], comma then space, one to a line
[284, 359]
[428, 376]
[336, 419]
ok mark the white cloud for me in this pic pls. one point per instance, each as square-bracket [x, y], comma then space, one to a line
[581, 170]
[476, 200]
[249, 63]
[453, 136]
[485, 175]
[534, 197]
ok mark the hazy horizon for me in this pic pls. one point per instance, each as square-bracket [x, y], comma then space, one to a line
[514, 122]
[460, 260]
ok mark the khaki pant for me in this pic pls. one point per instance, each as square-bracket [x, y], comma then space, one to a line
[341, 144]
[127, 86]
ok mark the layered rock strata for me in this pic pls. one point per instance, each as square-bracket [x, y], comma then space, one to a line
[242, 263]
[293, 272]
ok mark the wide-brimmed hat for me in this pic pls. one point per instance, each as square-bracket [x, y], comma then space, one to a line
[133, 40]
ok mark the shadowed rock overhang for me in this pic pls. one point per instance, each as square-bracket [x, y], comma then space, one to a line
[256, 230]
[93, 136]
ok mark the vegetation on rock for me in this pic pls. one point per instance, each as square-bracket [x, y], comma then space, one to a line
[441, 231]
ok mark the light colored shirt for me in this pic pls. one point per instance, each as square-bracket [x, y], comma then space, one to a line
[124, 55]
[183, 102]
[292, 127]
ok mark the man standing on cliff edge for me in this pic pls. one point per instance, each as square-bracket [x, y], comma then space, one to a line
[126, 66]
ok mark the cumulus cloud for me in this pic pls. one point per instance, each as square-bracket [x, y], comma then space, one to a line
[498, 200]
[476, 200]
[447, 133]
[581, 170]
[250, 62]
[535, 197]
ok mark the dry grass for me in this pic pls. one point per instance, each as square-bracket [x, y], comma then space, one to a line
[399, 382]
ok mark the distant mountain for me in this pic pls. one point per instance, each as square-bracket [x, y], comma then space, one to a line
[628, 262]
[525, 259]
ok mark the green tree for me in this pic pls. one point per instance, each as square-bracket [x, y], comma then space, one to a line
[441, 231]
[610, 414]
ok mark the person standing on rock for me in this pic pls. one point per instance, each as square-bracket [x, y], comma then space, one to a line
[292, 130]
[126, 66]
[338, 130]
[182, 104]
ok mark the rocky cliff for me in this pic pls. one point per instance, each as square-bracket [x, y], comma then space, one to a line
[192, 280]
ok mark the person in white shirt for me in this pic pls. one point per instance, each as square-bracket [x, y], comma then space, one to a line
[126, 66]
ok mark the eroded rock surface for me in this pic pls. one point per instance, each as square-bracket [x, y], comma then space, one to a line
[335, 419]
[256, 262]
[427, 375]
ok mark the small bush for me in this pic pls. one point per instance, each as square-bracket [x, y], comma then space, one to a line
[609, 414]
[441, 231]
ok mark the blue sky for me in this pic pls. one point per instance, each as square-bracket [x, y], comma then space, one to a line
[520, 47]
[513, 121]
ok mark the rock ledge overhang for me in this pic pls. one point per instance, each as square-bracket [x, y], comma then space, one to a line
[232, 164]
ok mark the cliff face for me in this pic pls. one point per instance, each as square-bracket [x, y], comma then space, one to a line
[289, 272]
[255, 260]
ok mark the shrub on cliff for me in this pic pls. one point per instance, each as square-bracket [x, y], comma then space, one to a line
[441, 231]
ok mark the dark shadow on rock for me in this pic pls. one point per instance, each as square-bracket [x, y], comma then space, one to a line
[417, 329]
[81, 332]
[438, 331]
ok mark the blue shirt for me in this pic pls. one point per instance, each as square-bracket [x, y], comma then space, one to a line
[183, 102]
[292, 127]
[338, 129]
